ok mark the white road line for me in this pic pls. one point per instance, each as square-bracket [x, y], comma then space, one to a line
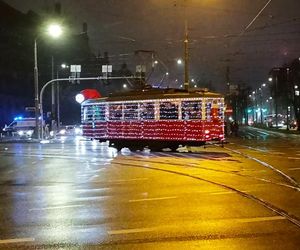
[294, 158]
[154, 199]
[220, 193]
[128, 180]
[55, 207]
[294, 169]
[130, 231]
[168, 227]
[259, 219]
[277, 153]
[20, 240]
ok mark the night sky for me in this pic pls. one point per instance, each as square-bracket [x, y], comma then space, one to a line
[215, 27]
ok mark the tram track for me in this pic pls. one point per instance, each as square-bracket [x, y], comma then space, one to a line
[288, 178]
[144, 159]
[137, 164]
[191, 165]
[293, 219]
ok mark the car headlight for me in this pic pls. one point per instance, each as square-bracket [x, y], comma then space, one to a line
[21, 132]
[77, 131]
[29, 132]
[62, 131]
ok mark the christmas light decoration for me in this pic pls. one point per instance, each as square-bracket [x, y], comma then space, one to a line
[181, 119]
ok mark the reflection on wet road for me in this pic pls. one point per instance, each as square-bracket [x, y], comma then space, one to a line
[83, 194]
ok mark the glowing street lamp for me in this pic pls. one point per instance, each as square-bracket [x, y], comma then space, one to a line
[55, 31]
[270, 79]
[179, 61]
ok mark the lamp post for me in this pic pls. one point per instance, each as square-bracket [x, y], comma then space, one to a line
[36, 93]
[54, 30]
[62, 66]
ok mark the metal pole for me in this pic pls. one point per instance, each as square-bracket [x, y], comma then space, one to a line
[36, 93]
[261, 107]
[58, 102]
[52, 93]
[287, 100]
[276, 101]
[70, 79]
[186, 58]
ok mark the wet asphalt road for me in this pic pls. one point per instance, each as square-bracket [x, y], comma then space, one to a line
[80, 194]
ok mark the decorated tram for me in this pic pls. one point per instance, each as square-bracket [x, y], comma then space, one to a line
[156, 118]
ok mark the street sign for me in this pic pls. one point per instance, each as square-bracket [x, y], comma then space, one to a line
[140, 68]
[106, 68]
[75, 68]
[75, 72]
[29, 108]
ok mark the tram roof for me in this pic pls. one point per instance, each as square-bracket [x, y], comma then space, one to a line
[156, 93]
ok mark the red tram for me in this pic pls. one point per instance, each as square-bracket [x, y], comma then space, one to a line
[155, 117]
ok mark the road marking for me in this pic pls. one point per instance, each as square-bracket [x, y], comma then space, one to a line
[277, 153]
[20, 240]
[294, 158]
[154, 199]
[294, 169]
[131, 231]
[55, 207]
[128, 180]
[225, 192]
[259, 219]
[151, 229]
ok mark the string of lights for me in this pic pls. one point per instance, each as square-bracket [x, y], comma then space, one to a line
[172, 119]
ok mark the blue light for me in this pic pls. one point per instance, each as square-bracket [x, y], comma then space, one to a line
[18, 118]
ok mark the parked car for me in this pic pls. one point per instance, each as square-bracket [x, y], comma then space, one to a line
[70, 130]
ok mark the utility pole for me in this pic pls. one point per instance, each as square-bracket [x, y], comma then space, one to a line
[36, 93]
[186, 58]
[276, 100]
[53, 113]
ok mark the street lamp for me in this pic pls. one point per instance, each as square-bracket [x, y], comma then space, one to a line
[54, 30]
[179, 61]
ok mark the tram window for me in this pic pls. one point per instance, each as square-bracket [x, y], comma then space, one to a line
[99, 112]
[147, 111]
[87, 113]
[131, 111]
[115, 112]
[191, 110]
[168, 111]
[84, 113]
[208, 107]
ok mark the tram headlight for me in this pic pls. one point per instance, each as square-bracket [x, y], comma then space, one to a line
[79, 98]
